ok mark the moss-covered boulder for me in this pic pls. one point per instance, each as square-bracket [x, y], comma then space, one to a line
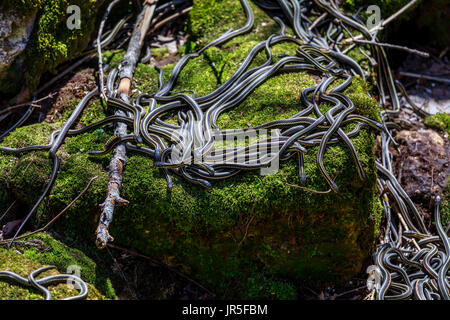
[250, 236]
[16, 28]
[42, 250]
[44, 44]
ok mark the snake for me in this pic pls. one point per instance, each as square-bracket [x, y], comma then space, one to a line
[413, 262]
[42, 284]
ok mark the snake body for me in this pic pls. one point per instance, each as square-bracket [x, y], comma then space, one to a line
[42, 284]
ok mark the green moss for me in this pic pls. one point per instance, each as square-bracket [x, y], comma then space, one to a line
[24, 5]
[445, 204]
[261, 287]
[51, 252]
[440, 121]
[211, 18]
[53, 42]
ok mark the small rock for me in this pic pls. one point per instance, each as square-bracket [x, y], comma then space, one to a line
[10, 228]
[421, 164]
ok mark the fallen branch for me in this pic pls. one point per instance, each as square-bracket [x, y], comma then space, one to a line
[424, 77]
[394, 46]
[58, 215]
[26, 104]
[317, 21]
[65, 72]
[119, 159]
[169, 19]
[350, 291]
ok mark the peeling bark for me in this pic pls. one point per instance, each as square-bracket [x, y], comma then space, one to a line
[119, 159]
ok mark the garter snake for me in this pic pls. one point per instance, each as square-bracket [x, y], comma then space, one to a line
[42, 283]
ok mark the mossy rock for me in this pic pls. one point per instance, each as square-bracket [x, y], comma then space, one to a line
[440, 121]
[252, 235]
[44, 251]
[52, 42]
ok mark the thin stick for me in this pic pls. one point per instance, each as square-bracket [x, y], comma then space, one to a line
[169, 19]
[308, 189]
[2, 117]
[65, 72]
[311, 190]
[424, 77]
[350, 291]
[398, 13]
[161, 264]
[382, 24]
[58, 215]
[26, 104]
[246, 230]
[122, 274]
[394, 46]
[7, 210]
[99, 47]
[317, 21]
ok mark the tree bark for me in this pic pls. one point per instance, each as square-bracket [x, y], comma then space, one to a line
[119, 159]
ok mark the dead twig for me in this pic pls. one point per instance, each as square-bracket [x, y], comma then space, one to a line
[246, 230]
[397, 14]
[7, 210]
[424, 77]
[383, 23]
[26, 104]
[119, 159]
[169, 19]
[317, 21]
[393, 46]
[444, 52]
[350, 291]
[122, 274]
[308, 189]
[58, 215]
[4, 116]
[65, 72]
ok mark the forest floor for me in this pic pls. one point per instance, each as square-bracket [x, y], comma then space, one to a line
[421, 162]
